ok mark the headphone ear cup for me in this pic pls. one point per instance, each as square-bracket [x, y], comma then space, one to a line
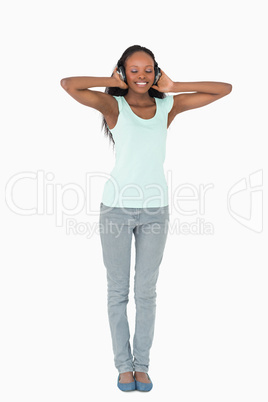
[122, 73]
[157, 74]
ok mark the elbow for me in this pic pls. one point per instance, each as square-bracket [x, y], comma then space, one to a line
[229, 88]
[226, 90]
[65, 83]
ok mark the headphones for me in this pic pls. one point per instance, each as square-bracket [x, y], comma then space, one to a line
[122, 73]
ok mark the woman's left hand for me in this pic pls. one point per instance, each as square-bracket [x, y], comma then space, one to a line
[164, 84]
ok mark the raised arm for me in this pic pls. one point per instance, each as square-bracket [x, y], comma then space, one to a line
[205, 92]
[77, 87]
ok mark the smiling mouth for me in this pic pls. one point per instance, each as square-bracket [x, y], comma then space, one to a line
[141, 84]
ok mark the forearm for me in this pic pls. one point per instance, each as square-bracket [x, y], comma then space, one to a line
[209, 87]
[88, 82]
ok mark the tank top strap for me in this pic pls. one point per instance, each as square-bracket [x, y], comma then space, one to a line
[119, 101]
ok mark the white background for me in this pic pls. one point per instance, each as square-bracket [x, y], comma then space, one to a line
[211, 328]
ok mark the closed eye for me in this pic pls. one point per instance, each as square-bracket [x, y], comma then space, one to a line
[135, 71]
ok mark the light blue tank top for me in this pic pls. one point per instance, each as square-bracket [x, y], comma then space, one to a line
[137, 179]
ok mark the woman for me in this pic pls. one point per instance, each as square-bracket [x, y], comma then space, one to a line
[136, 114]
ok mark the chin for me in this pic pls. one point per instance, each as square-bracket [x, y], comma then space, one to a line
[135, 88]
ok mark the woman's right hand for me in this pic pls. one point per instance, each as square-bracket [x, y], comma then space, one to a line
[119, 82]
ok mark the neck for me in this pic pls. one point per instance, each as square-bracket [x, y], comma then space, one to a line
[134, 97]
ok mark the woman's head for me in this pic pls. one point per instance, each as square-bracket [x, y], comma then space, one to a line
[139, 64]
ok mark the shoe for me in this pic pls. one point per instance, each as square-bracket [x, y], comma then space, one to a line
[143, 386]
[128, 386]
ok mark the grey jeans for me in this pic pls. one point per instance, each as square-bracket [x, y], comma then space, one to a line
[150, 228]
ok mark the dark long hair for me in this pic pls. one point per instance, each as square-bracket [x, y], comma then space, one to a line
[122, 92]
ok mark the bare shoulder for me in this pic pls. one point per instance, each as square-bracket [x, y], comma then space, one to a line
[177, 105]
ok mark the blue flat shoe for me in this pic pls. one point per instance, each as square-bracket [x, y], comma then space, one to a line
[128, 386]
[143, 386]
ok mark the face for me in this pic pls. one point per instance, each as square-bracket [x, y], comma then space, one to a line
[139, 69]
